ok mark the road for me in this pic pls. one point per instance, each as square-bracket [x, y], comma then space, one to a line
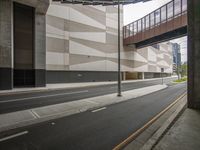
[15, 102]
[92, 130]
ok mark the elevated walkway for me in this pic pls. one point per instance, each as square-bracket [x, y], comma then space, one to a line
[165, 23]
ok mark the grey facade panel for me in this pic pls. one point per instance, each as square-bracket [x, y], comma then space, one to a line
[6, 81]
[23, 77]
[40, 78]
[5, 34]
[149, 75]
[29, 78]
[79, 76]
[57, 45]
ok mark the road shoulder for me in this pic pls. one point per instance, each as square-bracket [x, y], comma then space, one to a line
[64, 86]
[32, 116]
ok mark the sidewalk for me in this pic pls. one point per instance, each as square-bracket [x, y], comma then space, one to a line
[184, 134]
[36, 115]
[70, 86]
[146, 136]
[177, 129]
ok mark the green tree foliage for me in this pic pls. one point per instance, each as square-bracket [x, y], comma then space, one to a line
[183, 70]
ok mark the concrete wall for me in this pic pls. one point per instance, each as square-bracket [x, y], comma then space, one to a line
[78, 39]
[150, 59]
[84, 38]
[194, 54]
[6, 53]
[7, 44]
[81, 38]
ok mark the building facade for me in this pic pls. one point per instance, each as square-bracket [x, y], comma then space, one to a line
[81, 43]
[176, 50]
[43, 42]
[82, 46]
[22, 43]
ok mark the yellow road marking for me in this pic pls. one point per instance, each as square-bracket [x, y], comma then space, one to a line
[135, 134]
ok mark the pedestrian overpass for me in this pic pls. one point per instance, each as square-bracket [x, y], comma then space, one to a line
[165, 23]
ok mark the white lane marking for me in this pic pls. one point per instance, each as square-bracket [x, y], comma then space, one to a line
[13, 136]
[34, 114]
[113, 87]
[91, 101]
[99, 109]
[27, 98]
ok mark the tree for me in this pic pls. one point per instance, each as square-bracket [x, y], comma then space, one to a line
[183, 69]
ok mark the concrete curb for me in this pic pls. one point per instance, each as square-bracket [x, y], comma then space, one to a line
[41, 114]
[92, 84]
[46, 89]
[149, 145]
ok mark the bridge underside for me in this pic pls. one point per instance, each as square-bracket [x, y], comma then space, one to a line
[177, 33]
[166, 23]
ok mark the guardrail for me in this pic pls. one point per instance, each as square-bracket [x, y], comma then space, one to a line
[169, 17]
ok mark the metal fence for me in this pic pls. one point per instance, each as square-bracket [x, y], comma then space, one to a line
[166, 13]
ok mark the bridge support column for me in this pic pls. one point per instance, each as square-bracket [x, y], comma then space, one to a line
[194, 54]
[6, 65]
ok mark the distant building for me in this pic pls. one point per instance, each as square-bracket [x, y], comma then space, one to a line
[176, 50]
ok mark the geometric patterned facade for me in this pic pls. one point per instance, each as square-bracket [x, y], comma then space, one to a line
[84, 38]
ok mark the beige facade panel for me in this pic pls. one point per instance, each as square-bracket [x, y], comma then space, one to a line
[90, 66]
[57, 58]
[57, 67]
[79, 59]
[106, 48]
[92, 41]
[57, 45]
[79, 27]
[152, 68]
[91, 12]
[56, 22]
[111, 39]
[78, 48]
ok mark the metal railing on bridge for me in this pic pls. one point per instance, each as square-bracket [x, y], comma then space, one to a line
[169, 17]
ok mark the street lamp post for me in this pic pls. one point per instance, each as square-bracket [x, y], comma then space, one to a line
[119, 61]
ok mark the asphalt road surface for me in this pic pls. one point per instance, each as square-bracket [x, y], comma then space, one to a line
[15, 102]
[92, 130]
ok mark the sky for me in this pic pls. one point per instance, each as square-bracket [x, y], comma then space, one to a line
[136, 11]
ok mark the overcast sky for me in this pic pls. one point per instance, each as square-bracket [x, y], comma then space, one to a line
[136, 11]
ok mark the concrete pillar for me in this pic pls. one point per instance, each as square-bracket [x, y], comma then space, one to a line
[194, 54]
[124, 76]
[6, 44]
[40, 49]
[142, 75]
[6, 41]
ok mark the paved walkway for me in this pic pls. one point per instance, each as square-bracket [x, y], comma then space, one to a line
[177, 129]
[36, 115]
[148, 135]
[184, 134]
[71, 85]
